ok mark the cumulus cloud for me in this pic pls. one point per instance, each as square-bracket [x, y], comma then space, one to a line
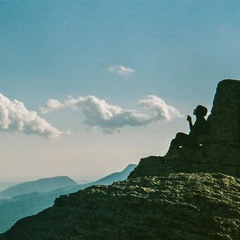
[52, 105]
[14, 117]
[159, 109]
[97, 112]
[121, 70]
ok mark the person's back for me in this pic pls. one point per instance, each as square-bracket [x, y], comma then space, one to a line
[200, 127]
[197, 135]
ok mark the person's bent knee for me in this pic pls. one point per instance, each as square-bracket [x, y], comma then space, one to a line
[180, 135]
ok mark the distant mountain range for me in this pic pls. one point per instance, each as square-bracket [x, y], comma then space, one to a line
[29, 198]
[118, 176]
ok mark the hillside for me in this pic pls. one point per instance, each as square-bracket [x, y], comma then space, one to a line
[118, 176]
[175, 206]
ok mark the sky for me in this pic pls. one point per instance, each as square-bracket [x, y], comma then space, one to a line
[90, 86]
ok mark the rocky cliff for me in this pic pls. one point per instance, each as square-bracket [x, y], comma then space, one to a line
[186, 197]
[225, 114]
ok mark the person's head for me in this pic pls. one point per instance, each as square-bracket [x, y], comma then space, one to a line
[200, 111]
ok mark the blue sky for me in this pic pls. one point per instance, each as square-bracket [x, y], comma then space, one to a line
[101, 83]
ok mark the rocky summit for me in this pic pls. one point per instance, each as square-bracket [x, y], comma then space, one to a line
[192, 195]
[175, 206]
[220, 152]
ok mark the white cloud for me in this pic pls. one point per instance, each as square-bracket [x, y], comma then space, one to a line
[97, 112]
[159, 109]
[121, 70]
[14, 117]
[52, 105]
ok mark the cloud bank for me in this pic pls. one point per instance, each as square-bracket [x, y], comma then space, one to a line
[121, 70]
[99, 113]
[14, 117]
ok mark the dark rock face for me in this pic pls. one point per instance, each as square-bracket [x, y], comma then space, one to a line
[225, 117]
[221, 153]
[223, 148]
[175, 206]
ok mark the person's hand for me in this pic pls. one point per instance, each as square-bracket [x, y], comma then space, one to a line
[189, 119]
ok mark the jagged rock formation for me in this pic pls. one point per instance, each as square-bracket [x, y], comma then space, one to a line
[176, 206]
[221, 153]
[225, 114]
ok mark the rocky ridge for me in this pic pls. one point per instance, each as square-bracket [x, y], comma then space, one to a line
[174, 206]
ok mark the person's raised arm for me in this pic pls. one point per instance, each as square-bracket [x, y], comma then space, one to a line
[189, 119]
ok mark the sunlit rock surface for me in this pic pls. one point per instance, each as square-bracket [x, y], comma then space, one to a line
[175, 206]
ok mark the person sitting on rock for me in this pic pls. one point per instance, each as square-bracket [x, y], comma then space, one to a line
[197, 135]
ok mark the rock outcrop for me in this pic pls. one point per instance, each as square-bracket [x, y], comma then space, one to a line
[221, 152]
[176, 206]
[225, 115]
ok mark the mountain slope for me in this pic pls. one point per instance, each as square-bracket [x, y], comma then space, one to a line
[117, 176]
[109, 179]
[175, 206]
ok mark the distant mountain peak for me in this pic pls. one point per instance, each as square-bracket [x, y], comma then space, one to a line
[40, 185]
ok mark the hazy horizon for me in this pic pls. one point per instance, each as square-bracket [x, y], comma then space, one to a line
[88, 87]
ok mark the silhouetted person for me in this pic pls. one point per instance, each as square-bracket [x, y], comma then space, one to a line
[197, 134]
